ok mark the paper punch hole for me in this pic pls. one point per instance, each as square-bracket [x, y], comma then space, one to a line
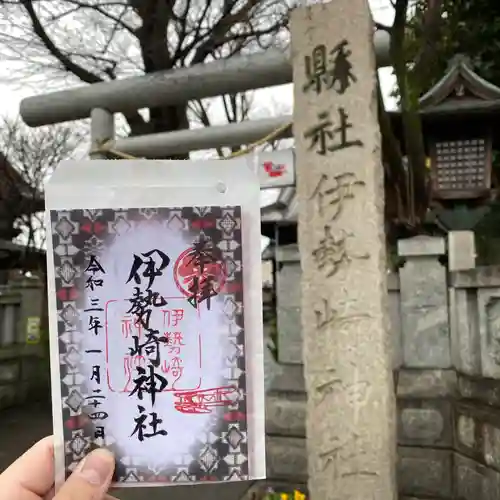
[221, 187]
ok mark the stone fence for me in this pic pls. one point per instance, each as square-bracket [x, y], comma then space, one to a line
[445, 327]
[24, 365]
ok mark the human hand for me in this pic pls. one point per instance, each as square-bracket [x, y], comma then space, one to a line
[31, 477]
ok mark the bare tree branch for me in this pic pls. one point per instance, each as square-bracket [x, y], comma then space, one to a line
[95, 40]
[382, 27]
[65, 61]
[118, 20]
[32, 155]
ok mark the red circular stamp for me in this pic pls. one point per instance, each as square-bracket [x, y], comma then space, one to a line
[199, 278]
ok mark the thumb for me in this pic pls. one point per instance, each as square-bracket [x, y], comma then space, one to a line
[91, 478]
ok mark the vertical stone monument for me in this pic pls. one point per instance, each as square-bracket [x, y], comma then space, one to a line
[350, 409]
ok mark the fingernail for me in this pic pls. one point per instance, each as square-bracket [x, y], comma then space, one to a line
[97, 467]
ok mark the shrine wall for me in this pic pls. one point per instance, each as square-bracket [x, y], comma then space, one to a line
[24, 365]
[445, 341]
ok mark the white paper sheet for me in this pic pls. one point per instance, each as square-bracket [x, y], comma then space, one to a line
[156, 318]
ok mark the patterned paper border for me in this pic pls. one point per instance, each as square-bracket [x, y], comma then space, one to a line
[222, 454]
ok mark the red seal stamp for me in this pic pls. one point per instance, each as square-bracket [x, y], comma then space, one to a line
[198, 275]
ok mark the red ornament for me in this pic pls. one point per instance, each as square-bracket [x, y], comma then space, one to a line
[274, 169]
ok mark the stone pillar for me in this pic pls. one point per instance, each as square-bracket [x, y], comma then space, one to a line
[463, 304]
[424, 303]
[288, 304]
[350, 393]
[461, 251]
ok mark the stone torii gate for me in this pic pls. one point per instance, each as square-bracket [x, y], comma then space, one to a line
[101, 100]
[350, 423]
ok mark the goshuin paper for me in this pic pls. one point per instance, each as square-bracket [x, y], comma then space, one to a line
[151, 340]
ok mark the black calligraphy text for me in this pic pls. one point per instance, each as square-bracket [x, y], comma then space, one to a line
[141, 426]
[149, 265]
[327, 137]
[332, 191]
[332, 252]
[339, 456]
[148, 382]
[356, 393]
[95, 279]
[152, 264]
[329, 69]
[327, 315]
[141, 304]
[205, 261]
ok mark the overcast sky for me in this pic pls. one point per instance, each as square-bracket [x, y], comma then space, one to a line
[382, 12]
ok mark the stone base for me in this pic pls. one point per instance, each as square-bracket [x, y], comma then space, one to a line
[24, 376]
[286, 459]
[448, 435]
[263, 488]
[474, 481]
[424, 472]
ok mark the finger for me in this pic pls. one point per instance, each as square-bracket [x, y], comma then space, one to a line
[91, 478]
[51, 494]
[106, 497]
[32, 475]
